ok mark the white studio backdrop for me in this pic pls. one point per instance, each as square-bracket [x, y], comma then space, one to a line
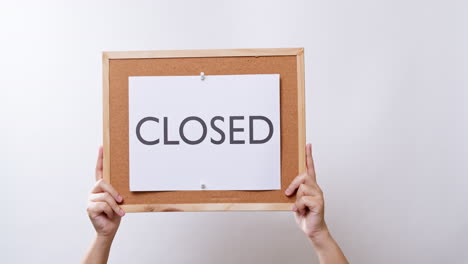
[386, 104]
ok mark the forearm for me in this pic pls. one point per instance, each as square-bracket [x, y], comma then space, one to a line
[98, 252]
[327, 249]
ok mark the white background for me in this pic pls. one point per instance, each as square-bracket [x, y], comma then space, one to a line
[386, 112]
[225, 166]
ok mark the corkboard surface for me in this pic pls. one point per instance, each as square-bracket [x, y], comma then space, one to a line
[121, 69]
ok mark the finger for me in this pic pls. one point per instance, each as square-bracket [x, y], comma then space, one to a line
[308, 190]
[97, 208]
[300, 179]
[106, 197]
[294, 208]
[295, 184]
[103, 186]
[310, 163]
[99, 165]
[311, 203]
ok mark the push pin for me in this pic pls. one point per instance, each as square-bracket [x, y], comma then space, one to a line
[202, 76]
[203, 186]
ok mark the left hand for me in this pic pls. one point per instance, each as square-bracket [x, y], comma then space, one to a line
[309, 205]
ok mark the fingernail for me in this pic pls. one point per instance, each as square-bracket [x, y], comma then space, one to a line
[119, 198]
[122, 213]
[287, 191]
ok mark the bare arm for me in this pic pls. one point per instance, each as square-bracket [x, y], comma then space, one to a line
[98, 251]
[105, 215]
[309, 213]
[327, 249]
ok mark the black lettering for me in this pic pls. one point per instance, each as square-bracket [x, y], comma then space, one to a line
[181, 130]
[232, 129]
[166, 138]
[251, 136]
[138, 128]
[215, 128]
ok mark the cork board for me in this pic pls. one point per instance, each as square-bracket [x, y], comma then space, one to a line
[118, 66]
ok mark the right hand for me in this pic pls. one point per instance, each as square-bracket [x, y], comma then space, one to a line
[103, 209]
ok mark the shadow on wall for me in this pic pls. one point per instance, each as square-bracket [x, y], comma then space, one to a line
[212, 237]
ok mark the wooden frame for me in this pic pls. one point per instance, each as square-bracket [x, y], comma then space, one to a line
[298, 52]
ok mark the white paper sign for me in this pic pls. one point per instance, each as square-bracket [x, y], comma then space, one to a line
[220, 133]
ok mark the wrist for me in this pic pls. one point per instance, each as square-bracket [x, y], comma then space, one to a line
[320, 238]
[99, 249]
[104, 239]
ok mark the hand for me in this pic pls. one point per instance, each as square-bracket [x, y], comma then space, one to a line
[103, 208]
[309, 205]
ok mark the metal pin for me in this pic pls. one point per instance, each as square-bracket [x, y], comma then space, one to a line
[203, 186]
[202, 75]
